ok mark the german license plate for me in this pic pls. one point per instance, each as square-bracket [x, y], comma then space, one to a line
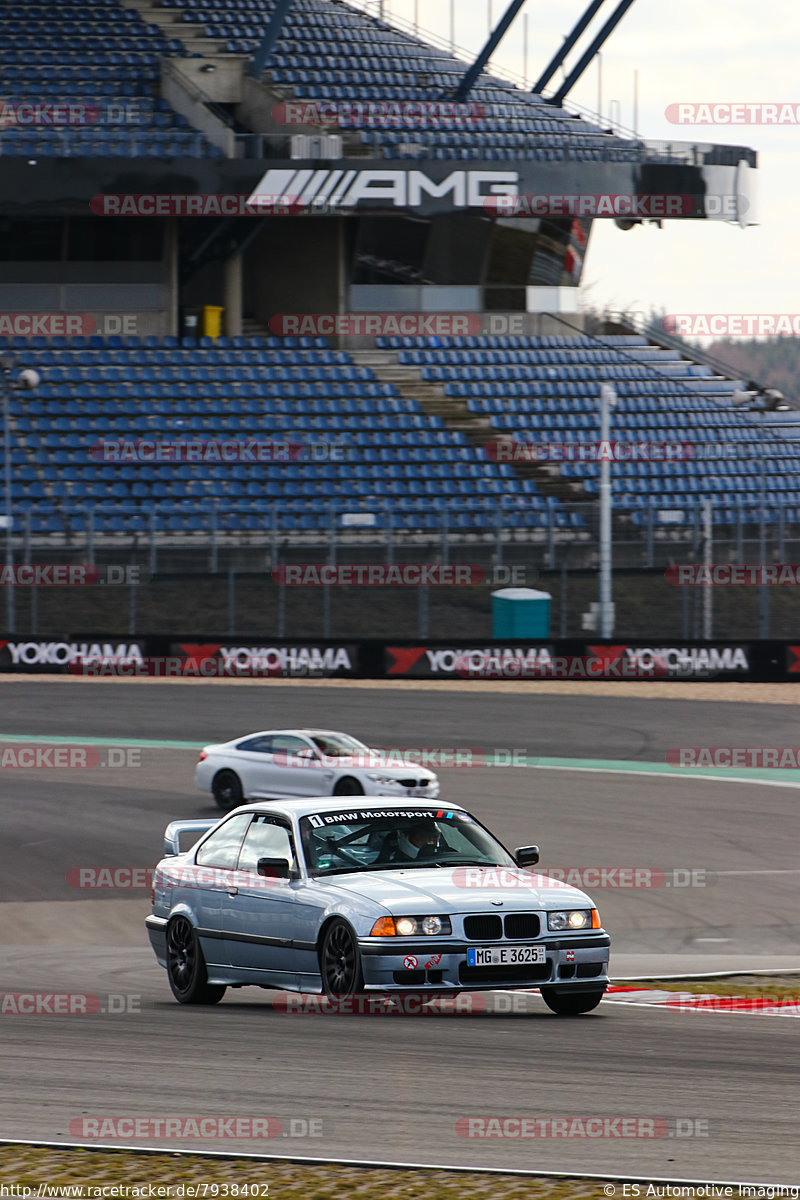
[504, 956]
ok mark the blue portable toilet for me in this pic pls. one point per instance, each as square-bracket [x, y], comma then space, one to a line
[520, 613]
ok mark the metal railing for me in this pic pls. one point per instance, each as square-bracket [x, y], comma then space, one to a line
[242, 570]
[639, 322]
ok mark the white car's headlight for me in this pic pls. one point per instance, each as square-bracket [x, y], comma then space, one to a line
[578, 918]
[411, 926]
[376, 777]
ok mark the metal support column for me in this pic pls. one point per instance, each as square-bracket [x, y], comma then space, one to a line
[473, 74]
[271, 37]
[569, 41]
[586, 58]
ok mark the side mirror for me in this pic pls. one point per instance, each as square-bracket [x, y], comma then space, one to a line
[526, 856]
[274, 868]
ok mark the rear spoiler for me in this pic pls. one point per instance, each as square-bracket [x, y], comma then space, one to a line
[172, 834]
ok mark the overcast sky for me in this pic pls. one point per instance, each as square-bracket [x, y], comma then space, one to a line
[684, 50]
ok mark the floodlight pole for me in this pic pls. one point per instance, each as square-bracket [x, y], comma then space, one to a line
[608, 398]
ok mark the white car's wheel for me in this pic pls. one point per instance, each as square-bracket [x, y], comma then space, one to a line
[348, 787]
[227, 790]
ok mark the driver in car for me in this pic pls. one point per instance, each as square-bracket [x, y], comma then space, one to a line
[420, 840]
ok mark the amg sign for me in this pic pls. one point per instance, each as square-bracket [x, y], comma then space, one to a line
[326, 190]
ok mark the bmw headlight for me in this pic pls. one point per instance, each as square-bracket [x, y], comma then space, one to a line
[580, 918]
[411, 927]
[376, 777]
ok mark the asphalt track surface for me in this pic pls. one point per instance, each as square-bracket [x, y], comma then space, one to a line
[396, 1088]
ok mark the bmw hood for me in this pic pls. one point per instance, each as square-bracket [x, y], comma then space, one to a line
[417, 890]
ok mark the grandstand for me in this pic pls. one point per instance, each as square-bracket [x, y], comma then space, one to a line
[111, 67]
[169, 103]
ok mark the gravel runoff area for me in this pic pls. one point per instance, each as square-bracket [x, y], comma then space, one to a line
[740, 693]
[32, 1166]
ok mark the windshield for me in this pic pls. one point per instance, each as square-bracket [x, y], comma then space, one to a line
[389, 839]
[337, 745]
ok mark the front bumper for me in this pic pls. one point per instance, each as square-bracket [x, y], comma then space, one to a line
[576, 963]
[398, 792]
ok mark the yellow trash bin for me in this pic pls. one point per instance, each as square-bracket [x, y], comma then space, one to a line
[212, 320]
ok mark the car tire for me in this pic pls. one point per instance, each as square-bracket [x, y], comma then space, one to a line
[227, 790]
[340, 962]
[186, 967]
[571, 1004]
[348, 787]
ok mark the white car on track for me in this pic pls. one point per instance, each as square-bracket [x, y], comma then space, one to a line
[279, 764]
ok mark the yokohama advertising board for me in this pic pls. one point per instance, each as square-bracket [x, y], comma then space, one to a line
[109, 658]
[569, 661]
[245, 659]
[61, 654]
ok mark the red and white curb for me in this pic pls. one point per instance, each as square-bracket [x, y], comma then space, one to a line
[766, 1006]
